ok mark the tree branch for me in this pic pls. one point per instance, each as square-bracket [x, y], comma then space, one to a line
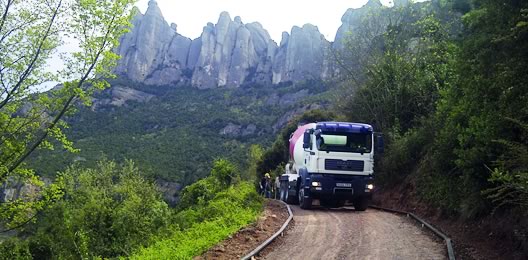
[35, 58]
[4, 16]
[20, 225]
[66, 105]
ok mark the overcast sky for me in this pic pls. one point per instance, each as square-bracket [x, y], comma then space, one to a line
[275, 15]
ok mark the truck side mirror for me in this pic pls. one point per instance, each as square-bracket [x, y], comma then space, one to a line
[306, 140]
[380, 145]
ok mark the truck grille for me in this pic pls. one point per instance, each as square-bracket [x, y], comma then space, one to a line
[341, 165]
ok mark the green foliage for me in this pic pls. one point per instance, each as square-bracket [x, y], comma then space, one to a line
[443, 99]
[105, 212]
[23, 210]
[30, 33]
[14, 249]
[511, 173]
[176, 135]
[404, 78]
[225, 172]
[492, 89]
[112, 211]
[255, 155]
[211, 210]
[401, 156]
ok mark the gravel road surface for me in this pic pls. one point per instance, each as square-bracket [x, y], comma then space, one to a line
[348, 234]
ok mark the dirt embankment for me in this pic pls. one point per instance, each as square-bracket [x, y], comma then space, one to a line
[493, 237]
[247, 239]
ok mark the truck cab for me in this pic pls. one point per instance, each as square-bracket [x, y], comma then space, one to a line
[331, 163]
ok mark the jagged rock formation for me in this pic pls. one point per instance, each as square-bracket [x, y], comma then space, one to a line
[301, 55]
[228, 53]
[353, 19]
[359, 22]
[153, 52]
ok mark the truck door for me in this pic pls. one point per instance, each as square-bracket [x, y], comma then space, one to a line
[308, 149]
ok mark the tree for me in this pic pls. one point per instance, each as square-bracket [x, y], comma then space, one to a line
[30, 34]
[107, 211]
[490, 94]
[404, 77]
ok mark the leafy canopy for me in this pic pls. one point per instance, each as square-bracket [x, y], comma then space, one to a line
[30, 34]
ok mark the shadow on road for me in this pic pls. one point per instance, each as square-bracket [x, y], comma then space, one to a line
[345, 209]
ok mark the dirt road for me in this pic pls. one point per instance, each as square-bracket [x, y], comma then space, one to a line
[348, 234]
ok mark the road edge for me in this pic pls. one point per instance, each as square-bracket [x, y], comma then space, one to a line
[449, 244]
[273, 237]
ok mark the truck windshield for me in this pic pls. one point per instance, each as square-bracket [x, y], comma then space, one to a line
[345, 142]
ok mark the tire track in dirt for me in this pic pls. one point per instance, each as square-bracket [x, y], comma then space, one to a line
[348, 234]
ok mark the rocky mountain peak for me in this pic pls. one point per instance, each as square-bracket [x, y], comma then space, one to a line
[301, 55]
[153, 9]
[374, 3]
[353, 18]
[224, 19]
[285, 38]
[229, 53]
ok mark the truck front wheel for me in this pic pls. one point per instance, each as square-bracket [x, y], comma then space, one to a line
[361, 204]
[304, 202]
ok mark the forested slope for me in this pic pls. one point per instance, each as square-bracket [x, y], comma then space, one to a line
[447, 84]
[175, 133]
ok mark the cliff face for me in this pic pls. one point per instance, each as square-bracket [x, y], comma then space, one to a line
[353, 19]
[228, 53]
[301, 55]
[153, 52]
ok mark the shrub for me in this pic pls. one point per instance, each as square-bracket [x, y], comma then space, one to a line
[106, 211]
[511, 174]
[14, 248]
[206, 224]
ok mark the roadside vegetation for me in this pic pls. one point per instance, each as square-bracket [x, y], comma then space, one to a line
[451, 97]
[447, 84]
[113, 211]
[30, 119]
[446, 81]
[211, 210]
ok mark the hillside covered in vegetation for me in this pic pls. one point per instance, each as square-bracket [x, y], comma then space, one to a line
[445, 81]
[447, 84]
[176, 133]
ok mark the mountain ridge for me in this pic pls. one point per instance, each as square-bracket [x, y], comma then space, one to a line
[230, 53]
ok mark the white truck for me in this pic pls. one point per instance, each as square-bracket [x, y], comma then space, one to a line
[331, 164]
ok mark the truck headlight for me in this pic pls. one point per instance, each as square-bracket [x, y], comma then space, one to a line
[370, 186]
[316, 184]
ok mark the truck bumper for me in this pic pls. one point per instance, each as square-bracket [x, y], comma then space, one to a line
[338, 187]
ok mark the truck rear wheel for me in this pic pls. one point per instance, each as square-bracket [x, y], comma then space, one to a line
[305, 203]
[285, 194]
[361, 204]
[282, 194]
[289, 199]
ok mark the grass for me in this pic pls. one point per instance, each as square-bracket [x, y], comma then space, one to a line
[211, 222]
